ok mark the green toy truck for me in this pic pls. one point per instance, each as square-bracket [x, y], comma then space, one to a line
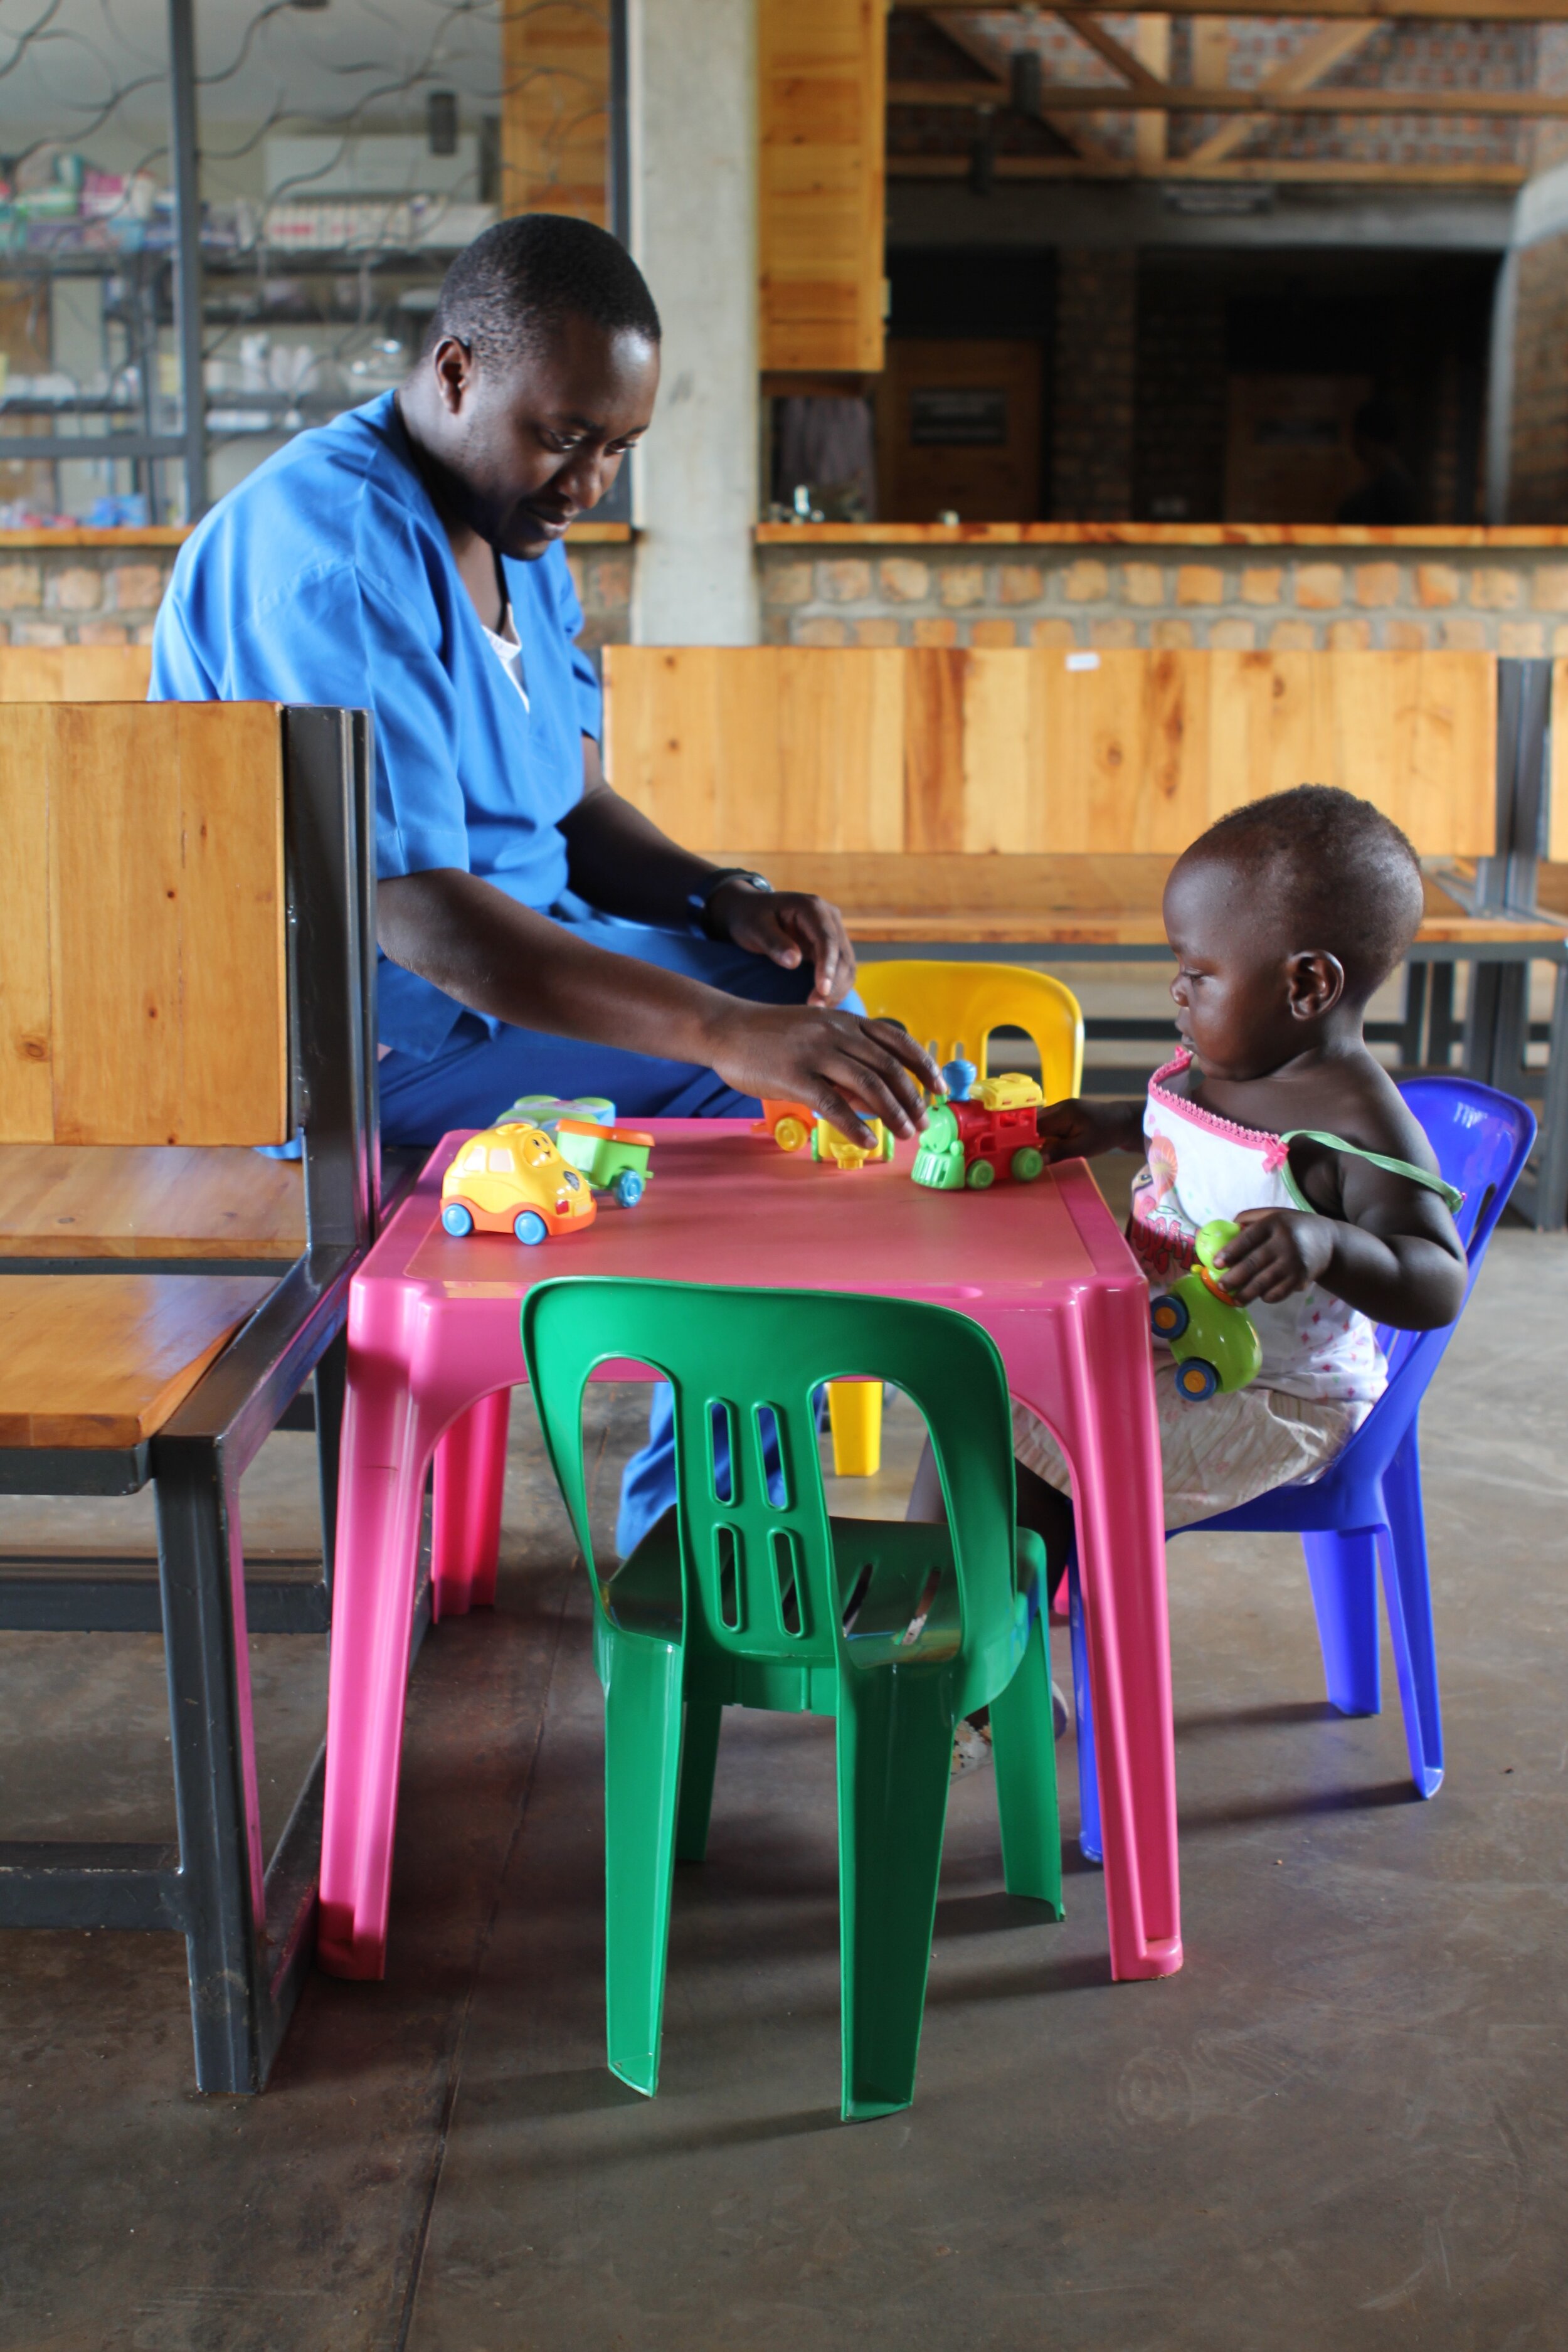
[1212, 1340]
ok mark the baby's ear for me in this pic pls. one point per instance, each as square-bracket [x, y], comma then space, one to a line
[1317, 982]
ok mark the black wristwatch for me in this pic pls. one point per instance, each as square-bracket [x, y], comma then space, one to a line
[702, 899]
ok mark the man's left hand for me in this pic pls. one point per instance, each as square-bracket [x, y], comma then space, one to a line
[789, 927]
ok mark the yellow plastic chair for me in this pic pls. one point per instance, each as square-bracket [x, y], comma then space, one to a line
[962, 1003]
[958, 1004]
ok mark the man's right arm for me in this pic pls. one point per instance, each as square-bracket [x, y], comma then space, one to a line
[474, 943]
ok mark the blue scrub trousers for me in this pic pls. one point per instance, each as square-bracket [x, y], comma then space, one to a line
[484, 1066]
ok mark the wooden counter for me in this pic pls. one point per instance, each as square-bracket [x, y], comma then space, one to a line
[1477, 537]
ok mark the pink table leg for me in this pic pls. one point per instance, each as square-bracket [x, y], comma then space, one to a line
[396, 1411]
[465, 1528]
[1090, 1362]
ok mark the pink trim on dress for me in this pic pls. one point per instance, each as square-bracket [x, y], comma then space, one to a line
[1255, 1138]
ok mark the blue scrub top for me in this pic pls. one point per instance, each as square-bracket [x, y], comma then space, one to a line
[326, 577]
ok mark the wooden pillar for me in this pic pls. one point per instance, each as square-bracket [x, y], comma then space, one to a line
[822, 79]
[555, 119]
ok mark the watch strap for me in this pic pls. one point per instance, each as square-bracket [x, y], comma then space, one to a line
[702, 899]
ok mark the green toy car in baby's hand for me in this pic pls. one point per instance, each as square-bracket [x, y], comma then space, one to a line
[1212, 1340]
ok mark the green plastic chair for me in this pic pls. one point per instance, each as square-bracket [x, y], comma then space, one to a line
[747, 1595]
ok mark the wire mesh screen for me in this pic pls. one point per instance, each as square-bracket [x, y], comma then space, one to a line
[347, 150]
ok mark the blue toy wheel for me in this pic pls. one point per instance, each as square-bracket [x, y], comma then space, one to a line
[1168, 1317]
[529, 1228]
[458, 1221]
[1196, 1380]
[627, 1188]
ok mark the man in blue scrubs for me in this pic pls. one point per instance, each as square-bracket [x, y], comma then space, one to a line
[537, 935]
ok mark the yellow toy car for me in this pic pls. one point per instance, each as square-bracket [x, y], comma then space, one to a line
[512, 1180]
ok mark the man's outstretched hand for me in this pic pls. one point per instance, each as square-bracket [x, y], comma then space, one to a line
[790, 927]
[838, 1065]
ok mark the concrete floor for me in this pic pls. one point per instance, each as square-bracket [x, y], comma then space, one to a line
[1344, 2125]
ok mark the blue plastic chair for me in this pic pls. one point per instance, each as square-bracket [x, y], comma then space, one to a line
[1368, 1502]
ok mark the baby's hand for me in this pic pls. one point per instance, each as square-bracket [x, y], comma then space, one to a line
[1276, 1252]
[1081, 1129]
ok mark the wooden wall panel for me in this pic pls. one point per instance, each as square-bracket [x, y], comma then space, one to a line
[933, 752]
[661, 734]
[1415, 733]
[934, 748]
[1125, 751]
[27, 1078]
[555, 119]
[158, 888]
[822, 75]
[75, 672]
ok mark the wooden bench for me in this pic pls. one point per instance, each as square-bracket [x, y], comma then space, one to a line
[992, 802]
[183, 976]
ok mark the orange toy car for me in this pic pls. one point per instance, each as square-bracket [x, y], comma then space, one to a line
[789, 1123]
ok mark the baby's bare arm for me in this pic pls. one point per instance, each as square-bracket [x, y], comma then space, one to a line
[1082, 1129]
[1394, 1252]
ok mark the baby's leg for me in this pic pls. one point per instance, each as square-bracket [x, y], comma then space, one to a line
[1049, 1515]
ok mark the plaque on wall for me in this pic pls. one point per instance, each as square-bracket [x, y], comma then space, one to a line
[940, 418]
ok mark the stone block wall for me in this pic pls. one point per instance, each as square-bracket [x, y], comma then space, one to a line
[81, 595]
[109, 595]
[1511, 602]
[603, 579]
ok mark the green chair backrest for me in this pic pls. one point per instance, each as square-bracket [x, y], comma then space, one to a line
[759, 1565]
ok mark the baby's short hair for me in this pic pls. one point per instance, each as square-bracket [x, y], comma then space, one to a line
[1340, 875]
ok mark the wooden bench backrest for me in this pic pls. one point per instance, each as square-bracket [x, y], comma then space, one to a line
[75, 672]
[1556, 844]
[743, 751]
[143, 969]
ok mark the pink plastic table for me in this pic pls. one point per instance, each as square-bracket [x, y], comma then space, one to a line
[434, 1349]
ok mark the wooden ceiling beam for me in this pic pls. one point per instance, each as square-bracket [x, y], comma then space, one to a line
[1550, 106]
[1466, 12]
[1315, 58]
[1133, 69]
[975, 46]
[1282, 172]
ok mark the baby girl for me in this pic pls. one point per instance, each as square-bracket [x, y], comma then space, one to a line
[1284, 918]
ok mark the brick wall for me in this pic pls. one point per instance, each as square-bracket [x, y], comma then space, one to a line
[109, 596]
[81, 595]
[1514, 602]
[1092, 420]
[1538, 489]
[603, 577]
[1178, 473]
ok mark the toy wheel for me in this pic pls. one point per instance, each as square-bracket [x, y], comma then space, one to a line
[1196, 1380]
[1169, 1316]
[979, 1174]
[815, 1144]
[458, 1221]
[789, 1134]
[1026, 1165]
[529, 1228]
[627, 1188]
[887, 1143]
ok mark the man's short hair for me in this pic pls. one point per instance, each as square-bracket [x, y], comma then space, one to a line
[1335, 871]
[508, 291]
